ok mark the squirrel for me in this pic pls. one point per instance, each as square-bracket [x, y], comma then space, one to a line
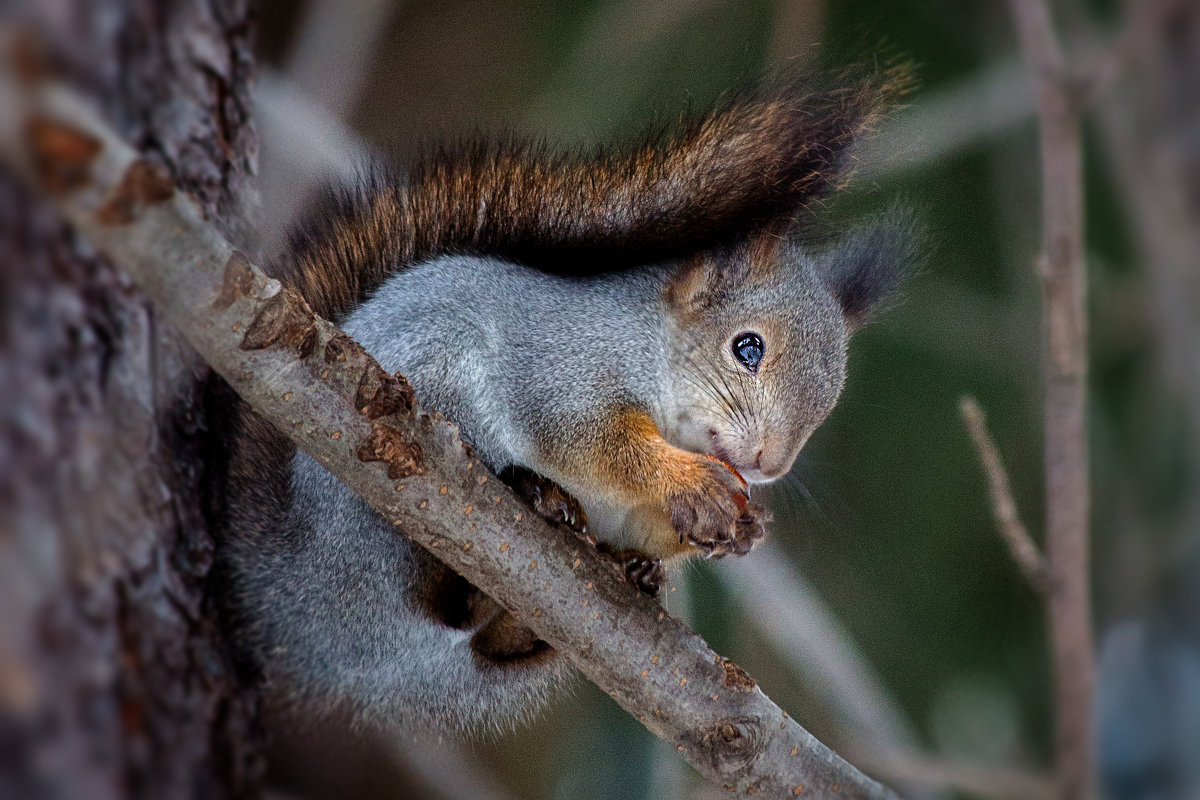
[631, 338]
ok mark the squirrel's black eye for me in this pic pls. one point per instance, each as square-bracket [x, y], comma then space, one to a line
[748, 349]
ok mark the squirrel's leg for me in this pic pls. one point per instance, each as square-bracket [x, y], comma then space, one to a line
[702, 501]
[554, 503]
[503, 638]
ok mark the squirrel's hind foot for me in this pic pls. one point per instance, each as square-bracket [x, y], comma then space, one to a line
[555, 504]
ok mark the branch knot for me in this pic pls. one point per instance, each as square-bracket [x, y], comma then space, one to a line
[380, 394]
[404, 458]
[285, 320]
[731, 744]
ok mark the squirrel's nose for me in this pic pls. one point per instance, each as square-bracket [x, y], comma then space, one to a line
[773, 464]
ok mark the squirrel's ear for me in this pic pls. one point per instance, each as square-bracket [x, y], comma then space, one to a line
[703, 277]
[692, 283]
[867, 268]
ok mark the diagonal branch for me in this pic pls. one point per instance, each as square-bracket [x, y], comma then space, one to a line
[1004, 508]
[335, 402]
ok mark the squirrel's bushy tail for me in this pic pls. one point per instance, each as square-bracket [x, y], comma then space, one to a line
[765, 154]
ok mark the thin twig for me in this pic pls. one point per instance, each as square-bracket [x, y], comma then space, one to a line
[1064, 283]
[974, 780]
[1004, 507]
[1149, 166]
[309, 143]
[335, 402]
[801, 628]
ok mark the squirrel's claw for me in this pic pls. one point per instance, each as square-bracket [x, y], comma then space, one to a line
[547, 498]
[642, 570]
[749, 530]
[717, 516]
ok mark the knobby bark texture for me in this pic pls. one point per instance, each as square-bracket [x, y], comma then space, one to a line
[1060, 94]
[331, 397]
[113, 681]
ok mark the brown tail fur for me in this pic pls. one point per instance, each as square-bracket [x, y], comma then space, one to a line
[768, 152]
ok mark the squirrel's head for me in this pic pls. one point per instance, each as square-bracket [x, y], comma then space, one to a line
[759, 336]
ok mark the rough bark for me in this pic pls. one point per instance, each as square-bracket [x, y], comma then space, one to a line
[334, 401]
[113, 682]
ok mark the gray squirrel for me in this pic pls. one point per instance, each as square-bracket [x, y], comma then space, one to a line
[631, 337]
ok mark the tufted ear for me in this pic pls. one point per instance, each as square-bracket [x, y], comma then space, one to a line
[869, 265]
[704, 277]
[691, 284]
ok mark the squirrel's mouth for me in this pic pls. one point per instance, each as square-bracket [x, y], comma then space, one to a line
[749, 470]
[727, 447]
[748, 474]
[720, 452]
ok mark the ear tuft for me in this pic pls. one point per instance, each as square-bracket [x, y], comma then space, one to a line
[690, 283]
[869, 266]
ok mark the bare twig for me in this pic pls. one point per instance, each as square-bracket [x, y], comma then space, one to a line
[336, 403]
[329, 56]
[995, 99]
[948, 120]
[1004, 507]
[306, 139]
[1143, 18]
[1149, 164]
[1067, 508]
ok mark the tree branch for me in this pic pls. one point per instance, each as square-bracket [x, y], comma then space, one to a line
[1143, 18]
[1004, 508]
[981, 781]
[1064, 283]
[335, 402]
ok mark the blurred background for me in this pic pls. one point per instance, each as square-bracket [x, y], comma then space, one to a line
[884, 613]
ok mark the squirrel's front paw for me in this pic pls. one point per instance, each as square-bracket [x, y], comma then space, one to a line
[715, 515]
[749, 531]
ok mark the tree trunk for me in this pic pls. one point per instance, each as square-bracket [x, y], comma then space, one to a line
[113, 680]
